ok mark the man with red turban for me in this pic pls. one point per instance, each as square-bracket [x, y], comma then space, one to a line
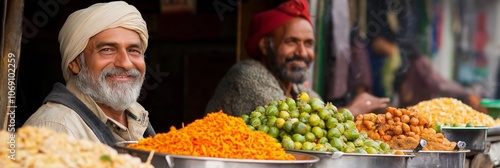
[281, 45]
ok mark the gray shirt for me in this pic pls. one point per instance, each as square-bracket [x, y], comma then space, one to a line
[245, 86]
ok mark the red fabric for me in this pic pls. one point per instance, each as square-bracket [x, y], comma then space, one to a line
[267, 21]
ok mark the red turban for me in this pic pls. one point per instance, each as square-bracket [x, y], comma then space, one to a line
[266, 22]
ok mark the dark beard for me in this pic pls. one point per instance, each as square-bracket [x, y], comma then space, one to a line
[296, 75]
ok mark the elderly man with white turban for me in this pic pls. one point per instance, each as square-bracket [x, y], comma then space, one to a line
[102, 49]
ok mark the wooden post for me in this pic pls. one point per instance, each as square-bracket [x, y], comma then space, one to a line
[10, 49]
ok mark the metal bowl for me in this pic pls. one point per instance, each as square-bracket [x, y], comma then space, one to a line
[354, 160]
[426, 159]
[475, 137]
[181, 161]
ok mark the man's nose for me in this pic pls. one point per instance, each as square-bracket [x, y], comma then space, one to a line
[301, 50]
[122, 60]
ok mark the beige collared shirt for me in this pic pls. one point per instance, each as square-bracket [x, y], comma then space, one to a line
[65, 120]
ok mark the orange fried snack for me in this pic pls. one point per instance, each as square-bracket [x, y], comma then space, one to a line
[216, 135]
[402, 129]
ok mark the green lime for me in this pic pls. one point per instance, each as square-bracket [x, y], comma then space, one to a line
[341, 128]
[280, 122]
[469, 124]
[333, 133]
[283, 107]
[263, 128]
[304, 114]
[384, 146]
[370, 143]
[351, 134]
[284, 114]
[251, 127]
[300, 128]
[371, 150]
[351, 144]
[298, 138]
[332, 149]
[306, 108]
[273, 103]
[330, 106]
[314, 120]
[324, 114]
[303, 96]
[359, 142]
[458, 125]
[288, 126]
[273, 131]
[272, 111]
[322, 124]
[343, 138]
[337, 143]
[260, 109]
[319, 147]
[304, 119]
[255, 122]
[291, 103]
[437, 127]
[294, 113]
[283, 133]
[307, 145]
[360, 150]
[271, 121]
[331, 123]
[340, 117]
[349, 125]
[347, 114]
[310, 137]
[363, 135]
[263, 120]
[349, 149]
[298, 145]
[245, 118]
[323, 140]
[286, 137]
[255, 114]
[288, 144]
[316, 103]
[317, 131]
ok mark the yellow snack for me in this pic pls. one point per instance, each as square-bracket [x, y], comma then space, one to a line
[452, 111]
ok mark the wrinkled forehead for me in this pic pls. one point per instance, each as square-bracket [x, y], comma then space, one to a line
[297, 27]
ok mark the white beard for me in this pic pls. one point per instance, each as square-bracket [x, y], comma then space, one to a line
[117, 95]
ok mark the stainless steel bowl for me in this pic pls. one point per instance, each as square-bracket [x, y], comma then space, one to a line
[475, 137]
[428, 159]
[180, 161]
[348, 160]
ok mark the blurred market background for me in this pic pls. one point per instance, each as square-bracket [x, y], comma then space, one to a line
[194, 42]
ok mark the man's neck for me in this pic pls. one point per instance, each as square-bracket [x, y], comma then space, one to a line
[287, 87]
[118, 116]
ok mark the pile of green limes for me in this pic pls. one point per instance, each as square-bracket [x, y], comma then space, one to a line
[310, 124]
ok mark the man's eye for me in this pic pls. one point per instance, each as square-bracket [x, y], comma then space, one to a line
[107, 51]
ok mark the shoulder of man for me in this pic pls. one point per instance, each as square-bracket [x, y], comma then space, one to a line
[61, 119]
[248, 69]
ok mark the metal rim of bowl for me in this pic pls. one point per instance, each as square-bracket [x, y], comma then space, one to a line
[313, 159]
[351, 154]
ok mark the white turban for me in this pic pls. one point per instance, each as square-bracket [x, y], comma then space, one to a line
[85, 23]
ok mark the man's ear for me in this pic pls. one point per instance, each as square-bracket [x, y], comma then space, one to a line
[74, 65]
[263, 45]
